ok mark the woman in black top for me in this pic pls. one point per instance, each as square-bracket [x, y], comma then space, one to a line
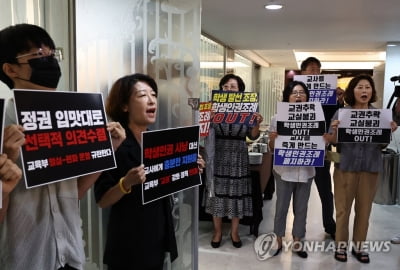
[138, 235]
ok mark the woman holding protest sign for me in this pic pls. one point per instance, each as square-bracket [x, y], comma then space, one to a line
[231, 179]
[291, 181]
[138, 234]
[356, 175]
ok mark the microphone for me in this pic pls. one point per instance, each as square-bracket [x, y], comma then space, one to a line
[395, 78]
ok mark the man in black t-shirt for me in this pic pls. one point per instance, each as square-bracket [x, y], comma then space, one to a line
[312, 66]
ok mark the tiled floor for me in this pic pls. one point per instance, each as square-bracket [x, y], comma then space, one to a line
[384, 224]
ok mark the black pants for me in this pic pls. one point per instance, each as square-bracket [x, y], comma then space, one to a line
[124, 268]
[324, 186]
[67, 267]
[270, 188]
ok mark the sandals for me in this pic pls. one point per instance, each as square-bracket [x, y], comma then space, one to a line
[361, 256]
[341, 255]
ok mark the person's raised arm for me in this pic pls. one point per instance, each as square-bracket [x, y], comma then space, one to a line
[133, 177]
[255, 131]
[331, 137]
[13, 139]
[271, 140]
[340, 96]
[10, 174]
[118, 135]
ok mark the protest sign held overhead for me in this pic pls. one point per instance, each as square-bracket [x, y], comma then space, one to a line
[170, 160]
[65, 135]
[322, 88]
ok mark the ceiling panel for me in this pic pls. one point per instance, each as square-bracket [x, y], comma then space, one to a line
[334, 31]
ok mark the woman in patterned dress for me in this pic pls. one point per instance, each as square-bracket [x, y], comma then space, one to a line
[232, 180]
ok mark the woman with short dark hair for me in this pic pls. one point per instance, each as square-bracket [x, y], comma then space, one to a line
[232, 179]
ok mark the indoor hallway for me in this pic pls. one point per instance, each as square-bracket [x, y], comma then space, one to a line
[384, 224]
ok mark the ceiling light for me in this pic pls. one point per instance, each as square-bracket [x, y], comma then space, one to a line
[350, 65]
[273, 6]
[344, 59]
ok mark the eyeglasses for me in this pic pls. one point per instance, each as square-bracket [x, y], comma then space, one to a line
[57, 54]
[298, 93]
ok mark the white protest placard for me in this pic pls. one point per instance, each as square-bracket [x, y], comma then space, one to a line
[300, 127]
[364, 125]
[322, 87]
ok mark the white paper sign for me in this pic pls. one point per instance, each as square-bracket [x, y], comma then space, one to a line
[364, 125]
[322, 87]
[300, 127]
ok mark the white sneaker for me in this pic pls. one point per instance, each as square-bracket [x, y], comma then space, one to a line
[396, 239]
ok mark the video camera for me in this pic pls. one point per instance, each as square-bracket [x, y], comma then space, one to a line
[396, 105]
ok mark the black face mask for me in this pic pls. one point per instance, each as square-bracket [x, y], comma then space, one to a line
[45, 71]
